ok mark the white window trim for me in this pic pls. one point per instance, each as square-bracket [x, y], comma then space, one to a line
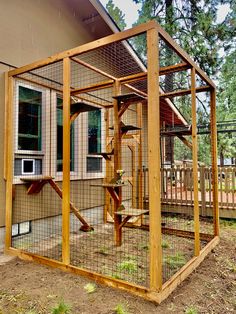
[58, 175]
[84, 152]
[45, 145]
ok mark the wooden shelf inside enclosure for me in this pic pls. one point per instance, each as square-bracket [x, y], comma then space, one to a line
[131, 97]
[79, 107]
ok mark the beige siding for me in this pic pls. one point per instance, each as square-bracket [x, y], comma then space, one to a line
[32, 30]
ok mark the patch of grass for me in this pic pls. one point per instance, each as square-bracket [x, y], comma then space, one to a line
[143, 246]
[229, 223]
[191, 310]
[120, 309]
[165, 244]
[90, 287]
[61, 308]
[231, 266]
[130, 266]
[175, 261]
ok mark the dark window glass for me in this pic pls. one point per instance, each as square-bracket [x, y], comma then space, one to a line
[94, 164]
[94, 131]
[30, 119]
[60, 138]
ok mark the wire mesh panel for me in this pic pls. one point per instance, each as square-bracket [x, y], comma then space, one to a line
[102, 186]
[36, 204]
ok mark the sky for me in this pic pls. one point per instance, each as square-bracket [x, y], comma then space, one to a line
[130, 9]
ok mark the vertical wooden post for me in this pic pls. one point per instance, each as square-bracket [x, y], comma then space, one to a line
[66, 164]
[195, 164]
[140, 157]
[108, 170]
[214, 164]
[203, 190]
[117, 161]
[154, 160]
[9, 162]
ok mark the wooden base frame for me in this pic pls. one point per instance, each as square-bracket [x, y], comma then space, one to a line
[146, 293]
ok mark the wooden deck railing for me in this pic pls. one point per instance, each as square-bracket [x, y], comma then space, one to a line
[177, 186]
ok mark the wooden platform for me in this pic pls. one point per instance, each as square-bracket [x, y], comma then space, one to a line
[35, 185]
[132, 212]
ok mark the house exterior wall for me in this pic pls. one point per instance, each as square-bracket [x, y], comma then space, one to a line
[32, 30]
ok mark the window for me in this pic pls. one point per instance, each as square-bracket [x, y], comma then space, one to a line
[60, 138]
[94, 163]
[21, 228]
[29, 119]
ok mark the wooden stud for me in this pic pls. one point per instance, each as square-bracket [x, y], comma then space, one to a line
[93, 87]
[133, 78]
[154, 160]
[174, 68]
[134, 183]
[214, 163]
[6, 127]
[117, 161]
[140, 157]
[89, 66]
[183, 92]
[185, 141]
[66, 164]
[195, 163]
[9, 163]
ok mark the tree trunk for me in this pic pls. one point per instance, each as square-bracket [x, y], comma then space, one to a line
[221, 159]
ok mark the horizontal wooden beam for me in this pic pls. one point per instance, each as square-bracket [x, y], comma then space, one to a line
[93, 87]
[93, 68]
[185, 92]
[133, 77]
[174, 68]
[140, 29]
[163, 71]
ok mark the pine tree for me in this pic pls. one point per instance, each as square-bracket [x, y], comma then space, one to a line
[116, 14]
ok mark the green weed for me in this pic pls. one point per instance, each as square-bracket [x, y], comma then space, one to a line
[175, 261]
[130, 266]
[90, 287]
[191, 310]
[165, 244]
[120, 309]
[61, 308]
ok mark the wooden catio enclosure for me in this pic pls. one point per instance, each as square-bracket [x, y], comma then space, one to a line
[82, 126]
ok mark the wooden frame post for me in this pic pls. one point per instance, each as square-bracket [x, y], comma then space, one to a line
[154, 160]
[195, 164]
[117, 161]
[140, 157]
[9, 162]
[214, 163]
[66, 164]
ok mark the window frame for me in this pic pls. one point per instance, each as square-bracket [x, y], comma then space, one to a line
[44, 153]
[58, 175]
[85, 154]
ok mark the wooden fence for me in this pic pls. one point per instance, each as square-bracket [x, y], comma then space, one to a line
[177, 188]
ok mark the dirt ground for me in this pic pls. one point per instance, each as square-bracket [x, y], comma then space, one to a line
[30, 288]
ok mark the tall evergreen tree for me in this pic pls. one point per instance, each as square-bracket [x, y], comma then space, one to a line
[116, 14]
[193, 24]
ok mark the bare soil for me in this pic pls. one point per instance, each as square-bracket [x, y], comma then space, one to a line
[35, 289]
